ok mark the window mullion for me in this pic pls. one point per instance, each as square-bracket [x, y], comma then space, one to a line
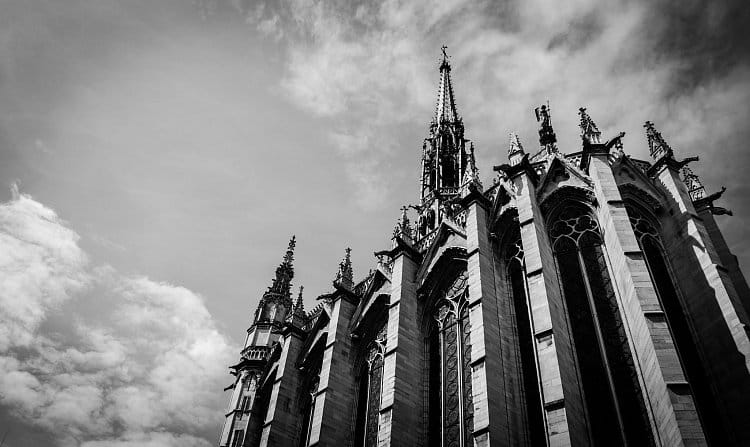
[600, 339]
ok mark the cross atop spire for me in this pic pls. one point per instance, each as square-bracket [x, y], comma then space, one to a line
[589, 131]
[445, 111]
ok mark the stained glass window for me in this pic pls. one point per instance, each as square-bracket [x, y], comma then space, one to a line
[454, 359]
[532, 412]
[370, 388]
[649, 241]
[611, 391]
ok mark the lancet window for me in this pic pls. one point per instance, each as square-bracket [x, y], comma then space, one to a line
[310, 393]
[370, 387]
[612, 397]
[647, 234]
[452, 416]
[531, 399]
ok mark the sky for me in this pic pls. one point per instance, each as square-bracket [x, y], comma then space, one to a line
[157, 155]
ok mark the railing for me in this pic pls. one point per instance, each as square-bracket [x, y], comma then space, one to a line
[257, 352]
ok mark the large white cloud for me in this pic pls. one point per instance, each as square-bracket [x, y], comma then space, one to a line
[97, 358]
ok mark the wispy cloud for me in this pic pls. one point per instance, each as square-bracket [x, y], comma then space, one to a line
[372, 65]
[97, 358]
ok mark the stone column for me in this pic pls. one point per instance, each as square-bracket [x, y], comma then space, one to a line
[561, 398]
[401, 401]
[283, 419]
[662, 380]
[714, 308]
[335, 401]
[488, 391]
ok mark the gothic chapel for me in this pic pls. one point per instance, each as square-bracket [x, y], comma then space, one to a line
[584, 298]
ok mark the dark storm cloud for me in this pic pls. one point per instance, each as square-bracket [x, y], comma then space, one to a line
[704, 39]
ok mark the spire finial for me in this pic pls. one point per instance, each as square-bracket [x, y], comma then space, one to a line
[403, 227]
[284, 273]
[289, 256]
[547, 137]
[345, 275]
[446, 104]
[656, 143]
[299, 304]
[589, 131]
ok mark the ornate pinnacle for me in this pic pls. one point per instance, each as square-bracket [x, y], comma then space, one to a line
[472, 173]
[403, 227]
[299, 305]
[297, 315]
[656, 143]
[345, 275]
[515, 149]
[547, 137]
[693, 183]
[589, 131]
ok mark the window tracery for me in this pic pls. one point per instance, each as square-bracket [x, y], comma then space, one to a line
[454, 338]
[649, 240]
[370, 385]
[531, 398]
[611, 390]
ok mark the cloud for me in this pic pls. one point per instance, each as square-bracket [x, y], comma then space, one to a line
[371, 66]
[97, 358]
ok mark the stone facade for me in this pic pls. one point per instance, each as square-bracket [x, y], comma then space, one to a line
[585, 298]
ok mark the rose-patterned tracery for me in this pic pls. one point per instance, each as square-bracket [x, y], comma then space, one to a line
[453, 336]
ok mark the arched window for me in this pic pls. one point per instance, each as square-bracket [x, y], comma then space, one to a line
[370, 387]
[532, 413]
[653, 252]
[309, 395]
[452, 417]
[615, 408]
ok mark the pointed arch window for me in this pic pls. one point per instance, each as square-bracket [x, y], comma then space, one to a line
[452, 338]
[647, 234]
[532, 411]
[370, 389]
[309, 396]
[615, 408]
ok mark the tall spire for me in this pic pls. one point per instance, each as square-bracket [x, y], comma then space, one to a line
[656, 143]
[448, 166]
[589, 131]
[445, 111]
